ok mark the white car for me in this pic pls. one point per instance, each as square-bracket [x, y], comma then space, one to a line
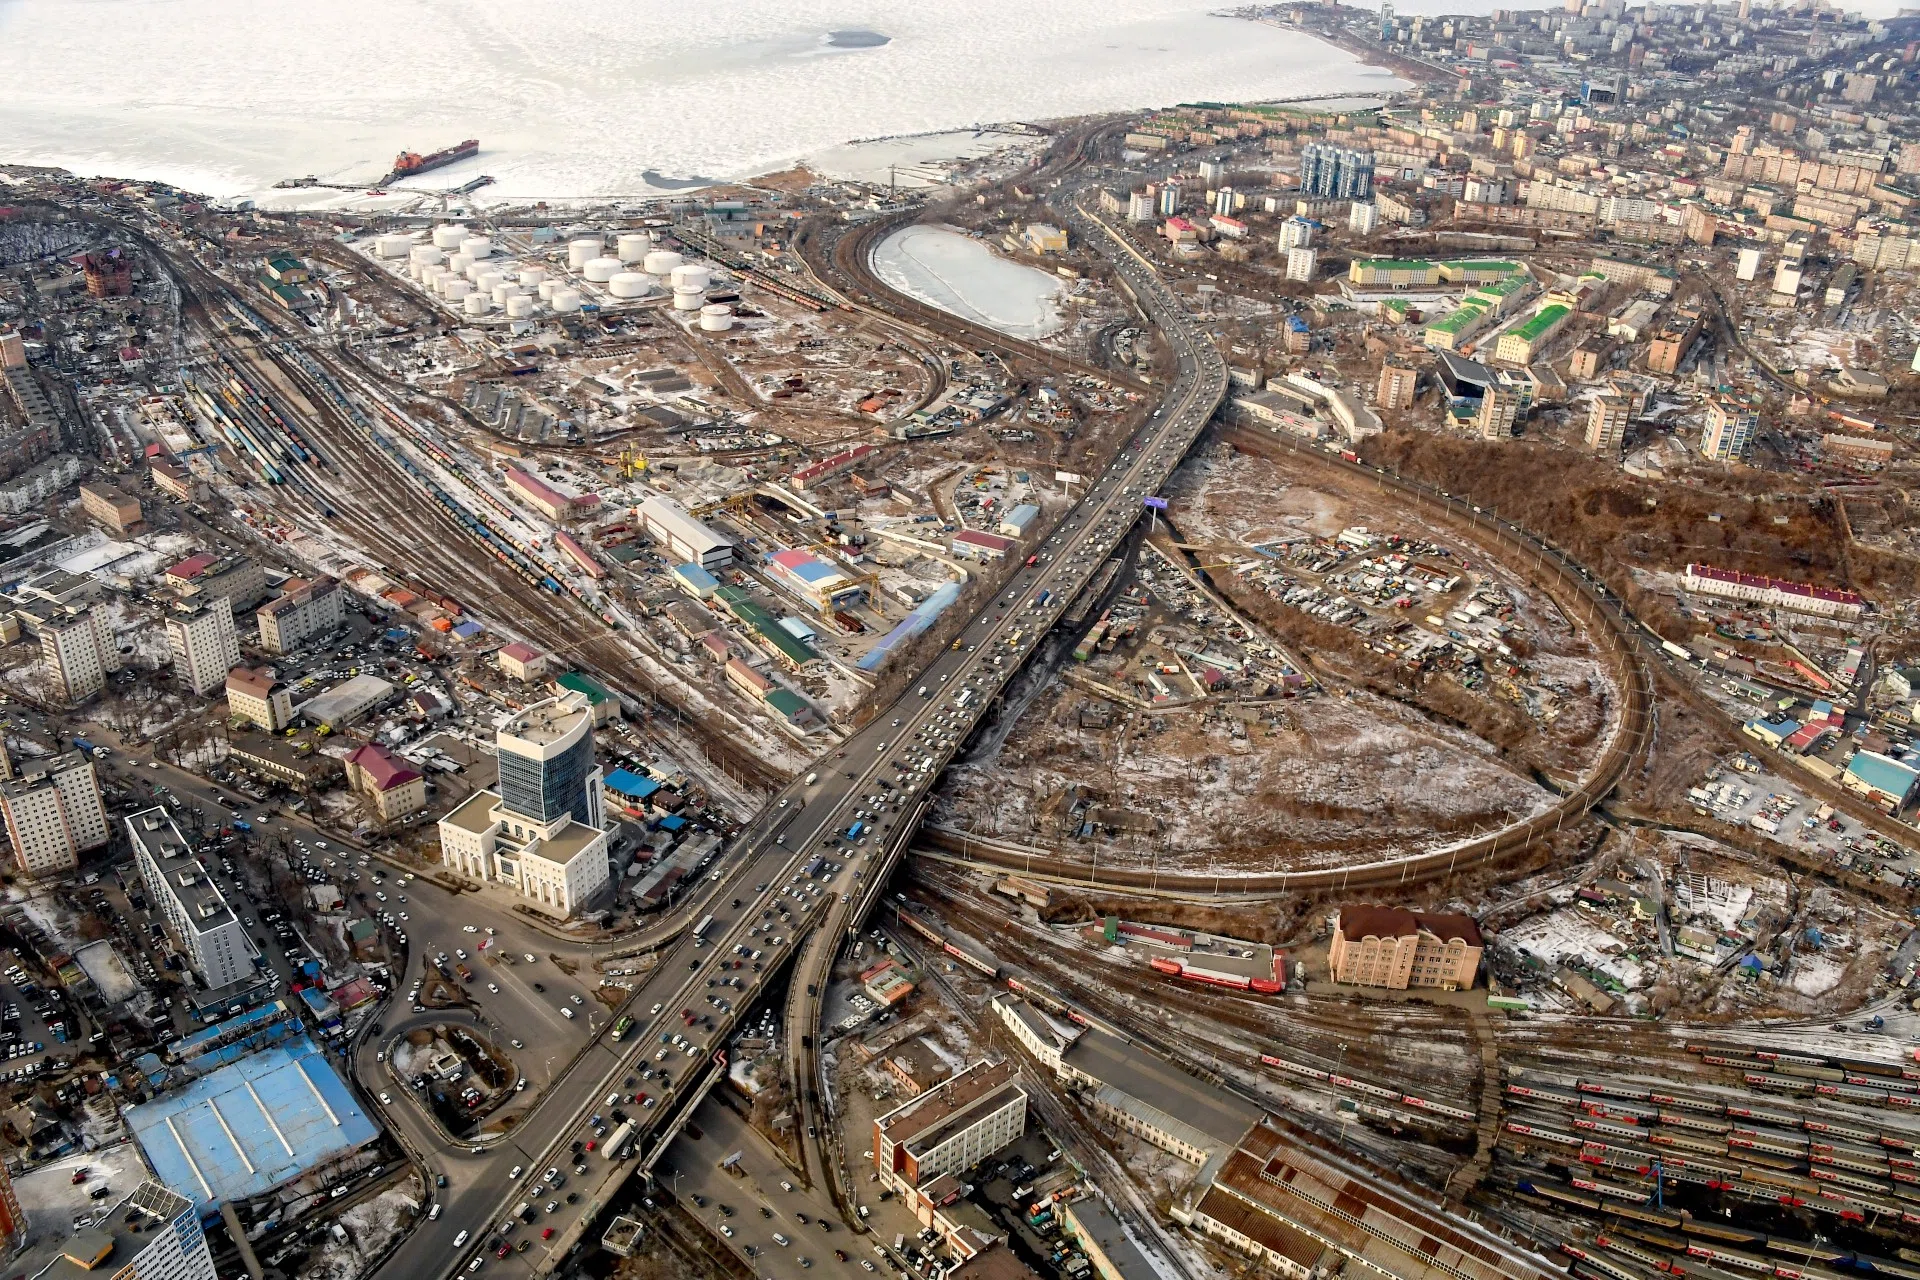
[467, 928]
[385, 1101]
[566, 1013]
[493, 987]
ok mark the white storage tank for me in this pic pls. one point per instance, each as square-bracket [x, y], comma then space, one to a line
[630, 284]
[477, 247]
[716, 317]
[519, 307]
[393, 246]
[531, 276]
[634, 246]
[425, 255]
[475, 270]
[459, 263]
[456, 289]
[566, 299]
[448, 235]
[486, 281]
[582, 251]
[690, 275]
[430, 275]
[601, 270]
[547, 289]
[478, 304]
[685, 299]
[501, 292]
[661, 262]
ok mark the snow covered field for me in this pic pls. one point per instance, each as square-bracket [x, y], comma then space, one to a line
[958, 273]
[594, 97]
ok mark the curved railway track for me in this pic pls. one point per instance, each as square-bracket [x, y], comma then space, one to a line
[1577, 592]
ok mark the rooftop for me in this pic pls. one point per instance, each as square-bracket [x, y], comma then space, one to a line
[1125, 1259]
[1218, 1115]
[385, 769]
[247, 1128]
[1398, 922]
[153, 831]
[922, 1122]
[475, 813]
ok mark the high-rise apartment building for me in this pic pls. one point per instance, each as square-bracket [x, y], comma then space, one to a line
[209, 933]
[1607, 422]
[1499, 410]
[1335, 173]
[544, 830]
[304, 610]
[1398, 382]
[1731, 423]
[1169, 199]
[77, 653]
[152, 1233]
[205, 647]
[54, 813]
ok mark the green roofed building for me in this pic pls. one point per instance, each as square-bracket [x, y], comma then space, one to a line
[1519, 345]
[605, 706]
[1393, 273]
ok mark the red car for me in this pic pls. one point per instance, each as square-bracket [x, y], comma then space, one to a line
[503, 1250]
[547, 1233]
[592, 1143]
[640, 1097]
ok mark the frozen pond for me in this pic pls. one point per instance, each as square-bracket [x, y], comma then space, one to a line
[955, 272]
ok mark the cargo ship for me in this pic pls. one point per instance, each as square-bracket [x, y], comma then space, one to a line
[408, 163]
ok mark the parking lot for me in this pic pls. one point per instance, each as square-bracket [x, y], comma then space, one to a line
[1774, 807]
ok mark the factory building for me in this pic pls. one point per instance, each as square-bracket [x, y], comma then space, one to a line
[118, 511]
[543, 832]
[209, 934]
[303, 610]
[813, 580]
[1399, 949]
[246, 1129]
[818, 473]
[54, 813]
[259, 697]
[683, 537]
[547, 500]
[205, 648]
[345, 702]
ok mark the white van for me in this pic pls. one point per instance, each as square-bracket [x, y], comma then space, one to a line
[433, 1213]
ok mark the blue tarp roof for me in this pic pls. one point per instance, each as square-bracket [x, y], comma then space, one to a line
[629, 783]
[672, 822]
[396, 633]
[467, 630]
[694, 576]
[250, 1127]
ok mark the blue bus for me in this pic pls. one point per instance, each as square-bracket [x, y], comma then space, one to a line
[853, 832]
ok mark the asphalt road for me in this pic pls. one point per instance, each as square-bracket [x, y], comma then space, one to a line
[907, 745]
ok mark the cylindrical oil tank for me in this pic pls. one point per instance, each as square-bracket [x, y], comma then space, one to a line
[448, 235]
[685, 299]
[582, 251]
[425, 254]
[519, 306]
[601, 270]
[393, 246]
[661, 262]
[486, 280]
[475, 270]
[716, 317]
[477, 247]
[456, 289]
[531, 276]
[431, 273]
[501, 292]
[417, 271]
[548, 288]
[566, 299]
[691, 275]
[458, 263]
[630, 284]
[478, 304]
[634, 246]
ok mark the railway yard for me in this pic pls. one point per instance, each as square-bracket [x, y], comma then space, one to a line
[748, 771]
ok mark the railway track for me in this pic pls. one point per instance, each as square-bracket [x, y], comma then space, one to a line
[360, 489]
[1584, 599]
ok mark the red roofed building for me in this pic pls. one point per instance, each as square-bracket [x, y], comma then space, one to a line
[522, 661]
[1777, 593]
[825, 469]
[546, 499]
[1396, 948]
[394, 786]
[977, 545]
